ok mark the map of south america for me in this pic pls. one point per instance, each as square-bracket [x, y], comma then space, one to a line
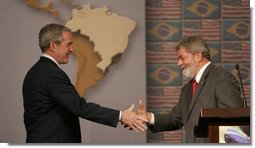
[99, 36]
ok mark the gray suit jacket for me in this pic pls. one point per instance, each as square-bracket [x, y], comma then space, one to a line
[217, 88]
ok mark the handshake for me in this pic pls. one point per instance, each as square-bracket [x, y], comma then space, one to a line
[136, 120]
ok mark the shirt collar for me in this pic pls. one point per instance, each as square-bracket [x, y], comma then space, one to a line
[201, 71]
[50, 57]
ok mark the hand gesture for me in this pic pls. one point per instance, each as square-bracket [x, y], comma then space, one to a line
[142, 113]
[131, 119]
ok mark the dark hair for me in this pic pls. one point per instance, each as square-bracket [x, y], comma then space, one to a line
[51, 32]
[194, 44]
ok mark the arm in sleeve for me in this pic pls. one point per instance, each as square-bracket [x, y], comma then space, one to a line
[65, 94]
[168, 121]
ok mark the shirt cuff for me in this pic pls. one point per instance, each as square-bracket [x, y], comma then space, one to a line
[152, 119]
[120, 116]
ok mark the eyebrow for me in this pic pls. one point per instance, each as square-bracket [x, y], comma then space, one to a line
[70, 43]
[180, 57]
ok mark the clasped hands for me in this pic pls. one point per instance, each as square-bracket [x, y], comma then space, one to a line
[135, 120]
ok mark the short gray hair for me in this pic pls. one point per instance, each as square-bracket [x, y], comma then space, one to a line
[194, 44]
[51, 32]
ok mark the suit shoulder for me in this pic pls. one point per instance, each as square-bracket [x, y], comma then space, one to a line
[218, 70]
[221, 72]
[41, 69]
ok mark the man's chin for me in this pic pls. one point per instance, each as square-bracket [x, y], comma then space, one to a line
[64, 62]
[188, 76]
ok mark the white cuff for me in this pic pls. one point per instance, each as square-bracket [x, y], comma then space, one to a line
[152, 119]
[120, 116]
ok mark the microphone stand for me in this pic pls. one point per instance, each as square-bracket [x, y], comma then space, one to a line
[244, 99]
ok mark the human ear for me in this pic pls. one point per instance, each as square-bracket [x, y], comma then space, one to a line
[53, 45]
[199, 56]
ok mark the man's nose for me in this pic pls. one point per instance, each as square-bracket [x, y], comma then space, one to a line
[71, 48]
[179, 63]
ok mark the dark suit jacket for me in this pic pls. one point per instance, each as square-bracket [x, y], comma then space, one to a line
[53, 106]
[217, 89]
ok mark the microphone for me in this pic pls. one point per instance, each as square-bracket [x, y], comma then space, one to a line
[244, 99]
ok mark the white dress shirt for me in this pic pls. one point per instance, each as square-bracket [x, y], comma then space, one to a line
[50, 57]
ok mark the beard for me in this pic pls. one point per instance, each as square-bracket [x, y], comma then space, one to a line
[189, 72]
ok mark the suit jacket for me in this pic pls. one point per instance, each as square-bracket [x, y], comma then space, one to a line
[53, 106]
[217, 89]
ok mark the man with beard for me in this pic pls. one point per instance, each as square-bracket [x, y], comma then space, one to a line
[209, 87]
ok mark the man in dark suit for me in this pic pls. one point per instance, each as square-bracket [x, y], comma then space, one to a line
[51, 103]
[209, 87]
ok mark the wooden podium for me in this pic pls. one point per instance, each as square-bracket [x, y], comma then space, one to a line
[211, 118]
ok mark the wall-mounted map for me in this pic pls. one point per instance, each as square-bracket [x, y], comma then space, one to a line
[100, 36]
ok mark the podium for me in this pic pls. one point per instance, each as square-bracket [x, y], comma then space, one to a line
[212, 118]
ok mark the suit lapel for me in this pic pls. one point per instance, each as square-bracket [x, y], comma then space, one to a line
[187, 94]
[199, 88]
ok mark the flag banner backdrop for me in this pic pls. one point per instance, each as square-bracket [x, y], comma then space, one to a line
[163, 9]
[225, 24]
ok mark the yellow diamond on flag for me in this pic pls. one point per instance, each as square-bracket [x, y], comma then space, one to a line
[163, 31]
[213, 52]
[164, 75]
[240, 29]
[244, 71]
[202, 8]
